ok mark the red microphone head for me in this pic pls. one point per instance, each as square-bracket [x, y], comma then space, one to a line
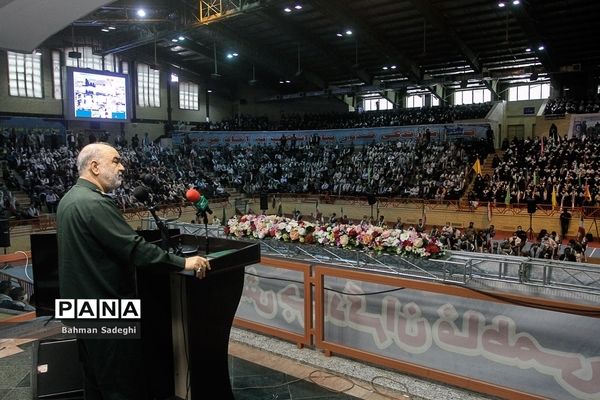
[192, 195]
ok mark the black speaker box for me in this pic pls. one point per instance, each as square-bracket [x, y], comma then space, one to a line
[531, 206]
[4, 233]
[264, 201]
[372, 199]
[57, 372]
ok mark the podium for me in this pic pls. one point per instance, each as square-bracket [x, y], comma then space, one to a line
[187, 321]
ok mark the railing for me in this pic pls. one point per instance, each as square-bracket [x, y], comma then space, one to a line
[567, 281]
[450, 205]
[561, 279]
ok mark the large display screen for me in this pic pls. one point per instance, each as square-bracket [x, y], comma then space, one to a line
[97, 95]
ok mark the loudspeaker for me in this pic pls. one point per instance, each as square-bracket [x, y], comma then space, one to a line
[4, 233]
[57, 372]
[371, 199]
[44, 261]
[531, 206]
[264, 201]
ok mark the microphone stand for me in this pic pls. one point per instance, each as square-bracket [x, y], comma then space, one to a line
[204, 216]
[165, 238]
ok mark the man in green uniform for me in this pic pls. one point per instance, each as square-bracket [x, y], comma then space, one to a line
[98, 253]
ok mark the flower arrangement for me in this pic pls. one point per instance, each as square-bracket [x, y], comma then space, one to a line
[347, 236]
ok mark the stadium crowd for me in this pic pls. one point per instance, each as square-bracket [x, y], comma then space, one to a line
[562, 105]
[559, 171]
[556, 168]
[368, 119]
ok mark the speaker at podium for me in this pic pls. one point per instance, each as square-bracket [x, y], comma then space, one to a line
[185, 323]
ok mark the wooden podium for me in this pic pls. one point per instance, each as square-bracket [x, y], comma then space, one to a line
[188, 320]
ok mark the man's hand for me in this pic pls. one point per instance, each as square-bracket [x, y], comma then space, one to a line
[197, 264]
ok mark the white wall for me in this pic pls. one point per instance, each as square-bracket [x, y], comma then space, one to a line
[514, 116]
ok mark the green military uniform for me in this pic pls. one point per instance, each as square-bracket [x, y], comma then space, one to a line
[98, 253]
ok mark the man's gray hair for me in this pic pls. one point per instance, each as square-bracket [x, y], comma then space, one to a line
[88, 153]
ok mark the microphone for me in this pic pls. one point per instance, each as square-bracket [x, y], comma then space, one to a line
[141, 194]
[200, 202]
[149, 180]
[202, 205]
[192, 195]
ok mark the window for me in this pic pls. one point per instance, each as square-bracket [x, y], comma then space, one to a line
[474, 96]
[124, 67]
[148, 80]
[418, 100]
[25, 74]
[188, 96]
[534, 91]
[56, 80]
[415, 101]
[377, 104]
[90, 60]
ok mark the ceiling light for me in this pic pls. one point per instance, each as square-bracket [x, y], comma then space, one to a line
[174, 78]
[541, 47]
[174, 40]
[348, 32]
[235, 54]
[287, 9]
[112, 28]
[298, 7]
[288, 81]
[209, 91]
[528, 49]
[501, 4]
[385, 68]
[181, 38]
[339, 34]
[37, 52]
[281, 82]
[141, 12]
[104, 29]
[516, 2]
[393, 67]
[230, 56]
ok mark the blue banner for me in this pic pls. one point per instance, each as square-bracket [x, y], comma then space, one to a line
[358, 136]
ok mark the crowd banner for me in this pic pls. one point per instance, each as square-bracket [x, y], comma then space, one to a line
[580, 123]
[358, 136]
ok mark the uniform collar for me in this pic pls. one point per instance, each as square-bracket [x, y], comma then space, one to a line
[92, 186]
[89, 185]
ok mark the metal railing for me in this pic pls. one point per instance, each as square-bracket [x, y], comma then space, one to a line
[560, 280]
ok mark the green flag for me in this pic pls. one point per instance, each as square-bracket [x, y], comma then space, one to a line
[507, 198]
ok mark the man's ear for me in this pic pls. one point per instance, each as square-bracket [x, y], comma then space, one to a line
[94, 167]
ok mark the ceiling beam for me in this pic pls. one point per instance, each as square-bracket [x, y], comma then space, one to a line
[260, 56]
[437, 20]
[527, 23]
[307, 38]
[233, 9]
[339, 10]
